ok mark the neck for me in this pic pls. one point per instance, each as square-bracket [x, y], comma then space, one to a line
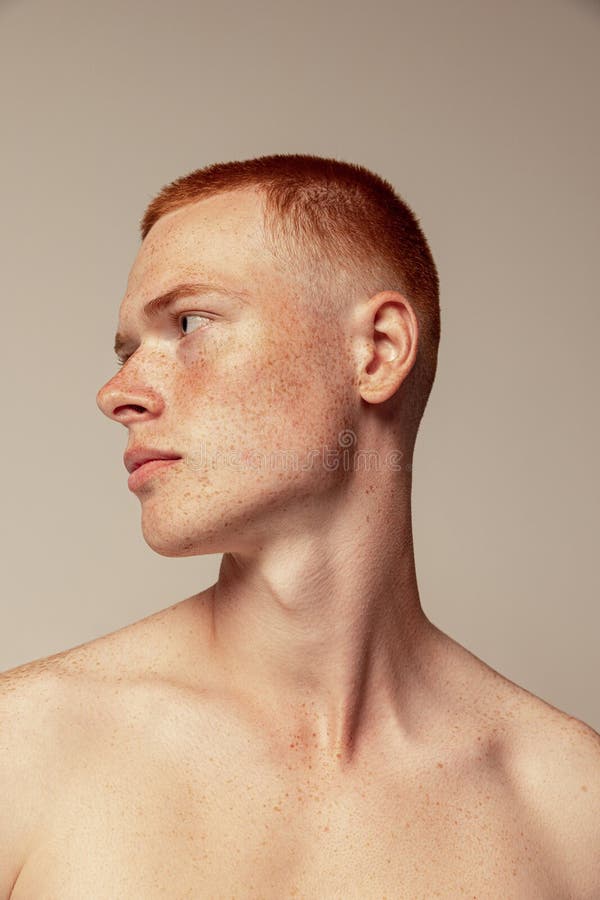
[323, 633]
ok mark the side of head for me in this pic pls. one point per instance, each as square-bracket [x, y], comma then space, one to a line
[341, 232]
[247, 369]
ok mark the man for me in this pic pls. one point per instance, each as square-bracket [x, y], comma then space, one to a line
[299, 728]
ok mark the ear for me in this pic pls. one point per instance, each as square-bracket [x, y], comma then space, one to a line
[388, 332]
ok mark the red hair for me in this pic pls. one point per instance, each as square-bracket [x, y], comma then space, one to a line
[337, 221]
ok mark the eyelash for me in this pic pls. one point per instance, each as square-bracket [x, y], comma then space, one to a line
[174, 318]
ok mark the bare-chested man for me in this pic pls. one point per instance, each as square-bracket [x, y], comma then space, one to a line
[300, 728]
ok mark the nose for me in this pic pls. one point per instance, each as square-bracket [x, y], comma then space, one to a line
[126, 402]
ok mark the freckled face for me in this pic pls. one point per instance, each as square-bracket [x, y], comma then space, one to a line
[235, 385]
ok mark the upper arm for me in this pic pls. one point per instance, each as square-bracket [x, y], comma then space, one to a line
[578, 807]
[25, 708]
[11, 803]
[565, 778]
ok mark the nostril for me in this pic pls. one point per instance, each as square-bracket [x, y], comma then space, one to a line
[130, 406]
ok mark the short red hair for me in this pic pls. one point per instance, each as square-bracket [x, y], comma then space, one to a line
[341, 221]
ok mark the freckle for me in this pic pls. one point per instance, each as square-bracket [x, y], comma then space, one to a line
[584, 787]
[440, 765]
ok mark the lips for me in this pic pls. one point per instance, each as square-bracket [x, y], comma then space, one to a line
[137, 457]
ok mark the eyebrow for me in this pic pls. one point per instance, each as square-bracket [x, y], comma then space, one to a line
[154, 307]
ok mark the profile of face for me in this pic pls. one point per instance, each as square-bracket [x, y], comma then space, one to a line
[238, 376]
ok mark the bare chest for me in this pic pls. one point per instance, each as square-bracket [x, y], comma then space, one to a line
[217, 826]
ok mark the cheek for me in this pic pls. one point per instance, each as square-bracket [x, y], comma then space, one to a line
[269, 393]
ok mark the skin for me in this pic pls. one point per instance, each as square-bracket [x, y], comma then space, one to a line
[329, 639]
[300, 728]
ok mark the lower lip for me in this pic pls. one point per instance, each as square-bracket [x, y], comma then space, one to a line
[140, 475]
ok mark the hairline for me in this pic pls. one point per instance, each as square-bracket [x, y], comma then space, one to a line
[283, 245]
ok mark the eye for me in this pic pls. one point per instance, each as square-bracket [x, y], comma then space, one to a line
[189, 322]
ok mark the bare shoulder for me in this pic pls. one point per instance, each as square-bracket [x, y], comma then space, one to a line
[558, 772]
[41, 704]
[54, 709]
[30, 729]
[552, 760]
[145, 648]
[51, 707]
[41, 700]
[35, 699]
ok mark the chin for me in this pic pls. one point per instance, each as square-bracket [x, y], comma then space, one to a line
[177, 545]
[236, 519]
[172, 537]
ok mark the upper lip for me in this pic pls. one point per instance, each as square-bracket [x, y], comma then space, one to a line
[137, 456]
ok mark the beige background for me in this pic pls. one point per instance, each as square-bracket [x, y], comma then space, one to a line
[485, 117]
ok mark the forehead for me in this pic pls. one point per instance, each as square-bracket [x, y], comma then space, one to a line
[220, 238]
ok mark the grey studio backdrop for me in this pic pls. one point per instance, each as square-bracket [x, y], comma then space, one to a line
[484, 115]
